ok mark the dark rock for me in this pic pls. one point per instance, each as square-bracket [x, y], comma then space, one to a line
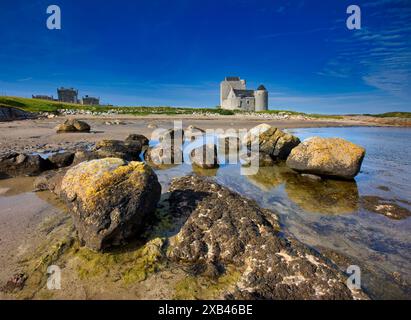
[84, 155]
[168, 136]
[110, 200]
[205, 156]
[50, 181]
[329, 157]
[15, 164]
[164, 154]
[221, 229]
[192, 133]
[129, 150]
[143, 140]
[62, 159]
[10, 114]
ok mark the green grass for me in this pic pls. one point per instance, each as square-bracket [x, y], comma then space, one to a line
[35, 105]
[397, 114]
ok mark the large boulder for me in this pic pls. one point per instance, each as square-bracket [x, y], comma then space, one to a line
[164, 154]
[128, 150]
[193, 132]
[205, 156]
[9, 114]
[19, 164]
[73, 125]
[171, 135]
[330, 157]
[271, 141]
[222, 233]
[61, 159]
[110, 200]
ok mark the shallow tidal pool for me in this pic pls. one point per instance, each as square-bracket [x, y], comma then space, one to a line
[327, 215]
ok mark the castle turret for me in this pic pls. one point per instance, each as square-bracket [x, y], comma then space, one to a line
[261, 99]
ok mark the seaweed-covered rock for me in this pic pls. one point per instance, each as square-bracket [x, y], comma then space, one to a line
[331, 157]
[129, 150]
[205, 156]
[271, 141]
[73, 125]
[19, 164]
[386, 207]
[221, 229]
[143, 140]
[110, 200]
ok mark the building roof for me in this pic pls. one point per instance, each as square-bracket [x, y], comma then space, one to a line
[232, 78]
[244, 93]
[261, 87]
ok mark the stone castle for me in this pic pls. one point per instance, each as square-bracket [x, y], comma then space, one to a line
[69, 95]
[235, 96]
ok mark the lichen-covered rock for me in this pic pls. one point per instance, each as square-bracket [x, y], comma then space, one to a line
[143, 140]
[110, 200]
[19, 164]
[330, 157]
[271, 141]
[128, 150]
[221, 229]
[73, 125]
[205, 156]
[61, 159]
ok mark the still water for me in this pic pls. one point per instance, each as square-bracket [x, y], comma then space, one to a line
[327, 215]
[330, 215]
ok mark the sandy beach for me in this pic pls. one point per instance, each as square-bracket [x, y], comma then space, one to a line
[39, 135]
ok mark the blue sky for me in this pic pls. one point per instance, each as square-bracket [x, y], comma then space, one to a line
[152, 52]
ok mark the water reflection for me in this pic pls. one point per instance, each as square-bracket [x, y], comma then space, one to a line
[324, 197]
[15, 186]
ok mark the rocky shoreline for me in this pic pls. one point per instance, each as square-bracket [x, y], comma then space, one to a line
[125, 232]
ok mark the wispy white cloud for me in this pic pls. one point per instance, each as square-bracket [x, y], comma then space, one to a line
[379, 55]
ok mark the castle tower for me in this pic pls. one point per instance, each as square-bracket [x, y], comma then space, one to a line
[261, 99]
